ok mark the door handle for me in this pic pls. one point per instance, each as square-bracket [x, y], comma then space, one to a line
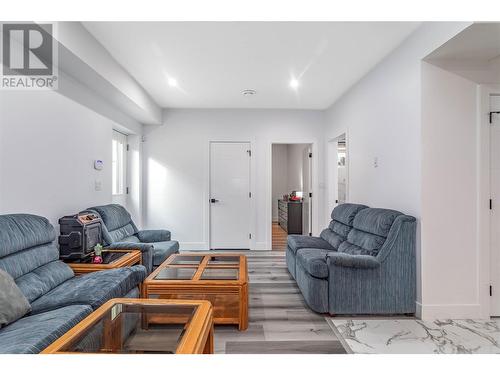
[213, 200]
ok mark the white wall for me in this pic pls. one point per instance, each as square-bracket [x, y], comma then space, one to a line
[450, 255]
[176, 166]
[381, 116]
[47, 147]
[280, 175]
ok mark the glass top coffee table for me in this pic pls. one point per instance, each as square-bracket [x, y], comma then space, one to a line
[133, 326]
[221, 278]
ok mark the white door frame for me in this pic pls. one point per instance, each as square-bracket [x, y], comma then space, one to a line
[484, 194]
[314, 186]
[331, 175]
[208, 206]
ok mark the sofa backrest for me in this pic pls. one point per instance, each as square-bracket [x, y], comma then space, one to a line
[342, 219]
[371, 227]
[28, 253]
[118, 224]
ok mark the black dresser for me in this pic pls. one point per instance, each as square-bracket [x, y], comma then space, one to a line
[290, 216]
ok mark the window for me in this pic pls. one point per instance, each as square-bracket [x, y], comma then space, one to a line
[119, 163]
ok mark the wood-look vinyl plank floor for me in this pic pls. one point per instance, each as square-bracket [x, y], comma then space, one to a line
[279, 320]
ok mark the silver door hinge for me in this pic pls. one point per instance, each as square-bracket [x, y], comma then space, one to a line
[249, 152]
[128, 147]
[126, 190]
[249, 194]
[310, 154]
[250, 235]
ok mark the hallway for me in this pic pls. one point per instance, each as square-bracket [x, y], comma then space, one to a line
[279, 238]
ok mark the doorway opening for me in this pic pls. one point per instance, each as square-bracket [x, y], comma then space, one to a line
[338, 174]
[341, 170]
[291, 191]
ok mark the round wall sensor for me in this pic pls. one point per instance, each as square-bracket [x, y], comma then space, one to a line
[249, 92]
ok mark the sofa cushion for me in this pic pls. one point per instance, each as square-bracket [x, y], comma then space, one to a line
[342, 219]
[133, 239]
[91, 289]
[335, 234]
[118, 223]
[162, 250]
[361, 243]
[33, 333]
[36, 270]
[376, 220]
[346, 212]
[23, 231]
[25, 261]
[13, 303]
[154, 235]
[118, 235]
[370, 229]
[43, 279]
[296, 242]
[114, 216]
[314, 261]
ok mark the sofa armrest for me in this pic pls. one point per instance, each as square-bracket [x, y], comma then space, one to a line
[157, 235]
[146, 249]
[352, 261]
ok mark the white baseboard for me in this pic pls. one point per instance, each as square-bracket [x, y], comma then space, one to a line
[196, 246]
[465, 311]
[261, 246]
[203, 246]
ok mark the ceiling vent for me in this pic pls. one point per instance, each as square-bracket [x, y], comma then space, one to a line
[249, 92]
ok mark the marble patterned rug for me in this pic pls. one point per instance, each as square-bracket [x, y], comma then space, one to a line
[410, 336]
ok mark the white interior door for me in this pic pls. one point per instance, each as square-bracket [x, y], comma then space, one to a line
[495, 207]
[307, 191]
[230, 195]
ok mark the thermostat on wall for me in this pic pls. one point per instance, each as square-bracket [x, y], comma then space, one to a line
[98, 164]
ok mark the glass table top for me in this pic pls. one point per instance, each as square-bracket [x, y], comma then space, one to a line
[219, 274]
[187, 260]
[176, 273]
[129, 328]
[223, 260]
[196, 267]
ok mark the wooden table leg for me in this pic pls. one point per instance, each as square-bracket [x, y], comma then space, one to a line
[243, 320]
[209, 345]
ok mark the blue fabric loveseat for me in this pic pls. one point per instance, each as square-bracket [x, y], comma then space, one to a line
[120, 232]
[363, 263]
[58, 299]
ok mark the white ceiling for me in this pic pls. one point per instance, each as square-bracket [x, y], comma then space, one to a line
[214, 61]
[474, 53]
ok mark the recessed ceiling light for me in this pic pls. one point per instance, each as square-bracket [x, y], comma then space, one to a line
[172, 82]
[294, 84]
[249, 92]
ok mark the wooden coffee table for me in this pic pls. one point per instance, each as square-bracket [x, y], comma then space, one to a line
[220, 278]
[139, 326]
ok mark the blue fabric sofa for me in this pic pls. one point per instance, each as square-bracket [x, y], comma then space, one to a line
[120, 232]
[58, 299]
[363, 263]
